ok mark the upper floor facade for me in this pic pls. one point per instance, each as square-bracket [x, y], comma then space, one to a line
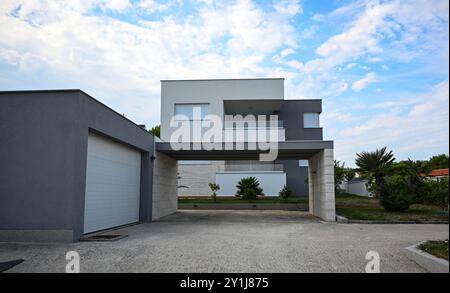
[197, 102]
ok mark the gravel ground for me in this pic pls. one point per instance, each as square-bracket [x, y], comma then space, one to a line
[235, 241]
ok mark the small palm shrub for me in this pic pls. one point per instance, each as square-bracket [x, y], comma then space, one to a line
[214, 188]
[249, 194]
[248, 188]
[396, 194]
[285, 193]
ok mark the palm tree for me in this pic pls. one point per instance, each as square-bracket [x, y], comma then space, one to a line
[375, 165]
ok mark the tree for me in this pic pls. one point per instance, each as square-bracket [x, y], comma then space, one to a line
[156, 130]
[434, 192]
[248, 188]
[437, 162]
[350, 173]
[411, 170]
[397, 196]
[375, 165]
[339, 175]
[214, 188]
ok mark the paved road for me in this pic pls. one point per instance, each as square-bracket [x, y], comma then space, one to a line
[235, 241]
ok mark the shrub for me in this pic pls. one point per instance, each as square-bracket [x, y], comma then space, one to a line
[285, 193]
[249, 194]
[396, 194]
[434, 193]
[214, 188]
[339, 175]
[245, 185]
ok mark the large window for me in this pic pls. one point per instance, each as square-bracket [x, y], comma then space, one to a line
[188, 110]
[311, 120]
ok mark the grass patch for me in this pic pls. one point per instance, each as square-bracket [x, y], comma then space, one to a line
[436, 248]
[355, 207]
[235, 200]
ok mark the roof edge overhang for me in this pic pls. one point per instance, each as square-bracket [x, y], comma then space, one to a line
[295, 150]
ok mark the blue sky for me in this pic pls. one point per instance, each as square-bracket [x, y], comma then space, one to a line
[381, 67]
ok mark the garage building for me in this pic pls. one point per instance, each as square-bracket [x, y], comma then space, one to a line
[70, 166]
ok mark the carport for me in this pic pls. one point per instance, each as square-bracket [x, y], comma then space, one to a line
[318, 153]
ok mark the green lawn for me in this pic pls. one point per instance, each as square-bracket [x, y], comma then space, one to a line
[363, 208]
[352, 207]
[232, 200]
[436, 248]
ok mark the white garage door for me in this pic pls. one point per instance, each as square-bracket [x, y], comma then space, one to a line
[112, 184]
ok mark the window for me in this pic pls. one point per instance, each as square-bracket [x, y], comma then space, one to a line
[303, 163]
[188, 110]
[311, 120]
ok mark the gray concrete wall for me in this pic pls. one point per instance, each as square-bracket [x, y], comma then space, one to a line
[196, 178]
[165, 199]
[43, 148]
[292, 115]
[321, 185]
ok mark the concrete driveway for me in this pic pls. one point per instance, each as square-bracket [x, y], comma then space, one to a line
[234, 241]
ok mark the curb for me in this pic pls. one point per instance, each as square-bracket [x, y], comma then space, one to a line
[341, 219]
[244, 206]
[394, 222]
[429, 262]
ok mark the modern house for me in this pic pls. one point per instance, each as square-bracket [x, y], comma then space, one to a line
[72, 166]
[297, 120]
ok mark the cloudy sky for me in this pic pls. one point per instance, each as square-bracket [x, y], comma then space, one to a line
[381, 67]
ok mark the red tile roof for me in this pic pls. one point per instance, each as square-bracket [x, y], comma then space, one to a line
[435, 173]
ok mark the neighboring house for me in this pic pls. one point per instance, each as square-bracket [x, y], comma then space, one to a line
[357, 186]
[436, 174]
[298, 121]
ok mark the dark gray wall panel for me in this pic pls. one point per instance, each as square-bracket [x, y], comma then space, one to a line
[296, 177]
[292, 115]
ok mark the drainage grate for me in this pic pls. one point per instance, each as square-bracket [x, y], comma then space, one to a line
[4, 266]
[104, 237]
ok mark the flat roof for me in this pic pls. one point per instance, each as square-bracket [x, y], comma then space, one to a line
[219, 79]
[294, 149]
[76, 91]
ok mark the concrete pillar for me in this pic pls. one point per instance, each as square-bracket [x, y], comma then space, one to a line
[165, 197]
[321, 185]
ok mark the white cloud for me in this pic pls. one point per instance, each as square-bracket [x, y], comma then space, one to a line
[116, 5]
[121, 63]
[416, 127]
[152, 6]
[290, 7]
[359, 85]
[287, 52]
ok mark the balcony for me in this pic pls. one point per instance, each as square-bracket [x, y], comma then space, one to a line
[251, 166]
[253, 133]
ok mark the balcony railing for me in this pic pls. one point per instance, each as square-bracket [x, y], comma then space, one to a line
[251, 167]
[257, 125]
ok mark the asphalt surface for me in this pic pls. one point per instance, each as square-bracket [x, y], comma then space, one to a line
[234, 241]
